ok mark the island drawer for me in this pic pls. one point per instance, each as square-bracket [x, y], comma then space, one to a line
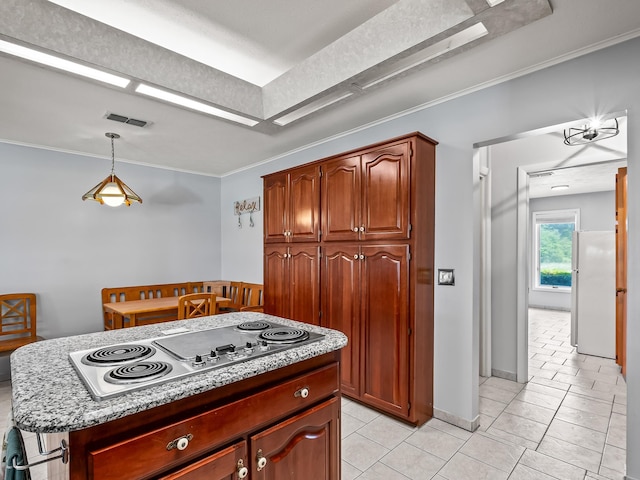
[172, 445]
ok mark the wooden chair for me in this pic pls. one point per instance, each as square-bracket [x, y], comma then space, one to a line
[219, 287]
[197, 305]
[252, 297]
[245, 297]
[17, 320]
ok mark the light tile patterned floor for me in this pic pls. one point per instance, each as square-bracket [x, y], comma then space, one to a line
[568, 422]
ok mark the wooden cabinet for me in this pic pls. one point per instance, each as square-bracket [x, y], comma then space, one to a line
[366, 197]
[292, 273]
[227, 464]
[365, 291]
[294, 199]
[305, 446]
[222, 434]
[377, 209]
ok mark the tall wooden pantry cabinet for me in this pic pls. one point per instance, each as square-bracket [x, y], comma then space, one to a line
[348, 244]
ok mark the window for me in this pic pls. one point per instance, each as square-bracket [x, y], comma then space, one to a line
[552, 252]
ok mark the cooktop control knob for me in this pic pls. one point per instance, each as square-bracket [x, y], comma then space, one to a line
[248, 347]
[214, 356]
[264, 345]
[198, 360]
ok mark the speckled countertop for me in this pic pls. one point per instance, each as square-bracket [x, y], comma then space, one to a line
[48, 395]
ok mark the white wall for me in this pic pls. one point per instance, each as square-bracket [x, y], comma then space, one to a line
[66, 250]
[597, 213]
[551, 96]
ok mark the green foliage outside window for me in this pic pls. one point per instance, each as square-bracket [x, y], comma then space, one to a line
[555, 254]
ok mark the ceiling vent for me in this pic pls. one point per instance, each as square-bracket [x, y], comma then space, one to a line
[122, 119]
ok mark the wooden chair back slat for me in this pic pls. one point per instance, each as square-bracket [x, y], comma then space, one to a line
[18, 323]
[196, 305]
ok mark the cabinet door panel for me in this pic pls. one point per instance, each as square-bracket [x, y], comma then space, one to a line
[385, 327]
[385, 179]
[341, 199]
[306, 446]
[222, 465]
[275, 211]
[341, 307]
[304, 204]
[304, 284]
[276, 279]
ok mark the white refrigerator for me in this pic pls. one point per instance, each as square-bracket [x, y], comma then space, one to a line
[593, 293]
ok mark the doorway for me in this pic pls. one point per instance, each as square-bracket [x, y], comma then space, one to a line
[514, 160]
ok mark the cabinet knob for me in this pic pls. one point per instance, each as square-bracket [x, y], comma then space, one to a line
[362, 228]
[355, 257]
[261, 460]
[180, 443]
[355, 229]
[361, 257]
[302, 392]
[241, 469]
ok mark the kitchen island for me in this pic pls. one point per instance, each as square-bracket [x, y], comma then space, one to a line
[251, 419]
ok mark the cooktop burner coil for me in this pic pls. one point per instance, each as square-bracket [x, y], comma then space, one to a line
[284, 335]
[137, 372]
[253, 326]
[117, 354]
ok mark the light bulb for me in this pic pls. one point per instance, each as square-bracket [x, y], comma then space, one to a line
[112, 195]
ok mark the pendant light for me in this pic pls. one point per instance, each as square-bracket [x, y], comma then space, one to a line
[112, 191]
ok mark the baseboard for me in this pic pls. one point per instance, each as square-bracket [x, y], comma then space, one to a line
[506, 375]
[470, 425]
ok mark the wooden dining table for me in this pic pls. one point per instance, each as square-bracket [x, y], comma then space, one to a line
[151, 310]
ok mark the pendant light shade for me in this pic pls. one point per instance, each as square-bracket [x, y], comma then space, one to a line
[112, 191]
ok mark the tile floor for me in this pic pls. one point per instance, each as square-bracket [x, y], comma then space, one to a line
[568, 422]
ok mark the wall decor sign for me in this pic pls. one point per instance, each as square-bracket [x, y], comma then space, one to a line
[249, 206]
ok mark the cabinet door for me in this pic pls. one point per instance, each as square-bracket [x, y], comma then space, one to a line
[385, 328]
[386, 193]
[223, 465]
[304, 283]
[341, 199]
[304, 204]
[341, 307]
[276, 197]
[276, 280]
[306, 446]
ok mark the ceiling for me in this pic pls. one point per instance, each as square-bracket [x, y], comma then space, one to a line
[275, 63]
[586, 168]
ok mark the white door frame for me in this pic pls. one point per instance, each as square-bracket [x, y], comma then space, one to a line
[522, 280]
[485, 262]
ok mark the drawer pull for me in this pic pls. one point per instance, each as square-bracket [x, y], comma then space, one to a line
[242, 470]
[302, 393]
[261, 460]
[180, 443]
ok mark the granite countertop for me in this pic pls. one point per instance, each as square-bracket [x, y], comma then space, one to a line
[48, 395]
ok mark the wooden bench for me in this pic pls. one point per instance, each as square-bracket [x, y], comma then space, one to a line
[17, 320]
[142, 292]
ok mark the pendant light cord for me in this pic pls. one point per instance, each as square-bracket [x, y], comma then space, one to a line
[113, 159]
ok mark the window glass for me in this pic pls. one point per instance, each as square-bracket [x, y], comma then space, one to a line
[552, 253]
